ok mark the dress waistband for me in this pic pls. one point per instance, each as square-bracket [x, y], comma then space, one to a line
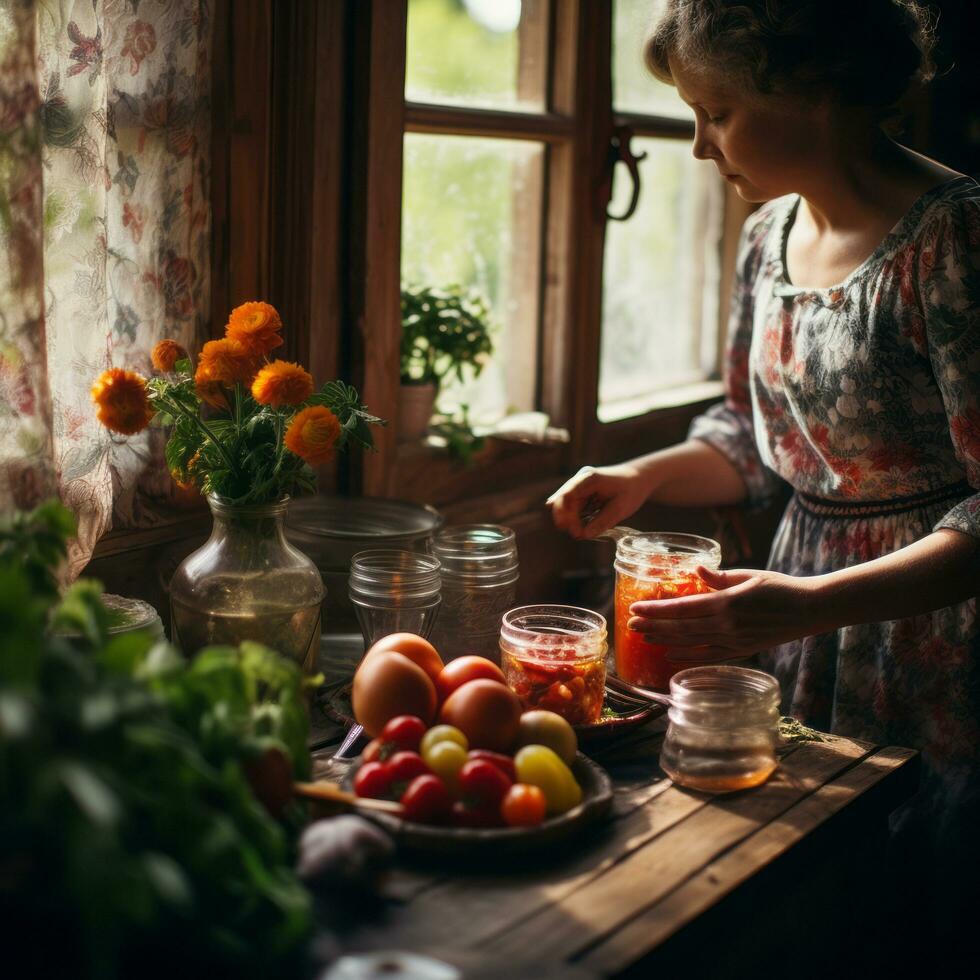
[875, 508]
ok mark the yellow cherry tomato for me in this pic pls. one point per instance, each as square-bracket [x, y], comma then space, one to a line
[539, 766]
[443, 733]
[445, 759]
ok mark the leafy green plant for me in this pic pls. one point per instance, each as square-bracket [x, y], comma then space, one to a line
[444, 332]
[462, 443]
[130, 836]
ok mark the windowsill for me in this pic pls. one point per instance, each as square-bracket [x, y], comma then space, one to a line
[667, 398]
[425, 473]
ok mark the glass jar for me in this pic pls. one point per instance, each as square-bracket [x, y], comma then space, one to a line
[394, 592]
[655, 565]
[126, 615]
[479, 584]
[331, 530]
[554, 657]
[246, 582]
[724, 723]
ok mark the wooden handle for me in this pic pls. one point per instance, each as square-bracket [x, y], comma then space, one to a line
[325, 791]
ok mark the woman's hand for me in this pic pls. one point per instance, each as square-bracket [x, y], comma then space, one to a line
[606, 496]
[751, 610]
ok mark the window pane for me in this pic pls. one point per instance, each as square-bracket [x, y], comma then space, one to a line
[486, 53]
[660, 280]
[634, 88]
[471, 216]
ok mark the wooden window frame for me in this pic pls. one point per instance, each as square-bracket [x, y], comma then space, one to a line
[575, 126]
[309, 118]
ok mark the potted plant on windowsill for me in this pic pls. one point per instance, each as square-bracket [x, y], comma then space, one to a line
[444, 332]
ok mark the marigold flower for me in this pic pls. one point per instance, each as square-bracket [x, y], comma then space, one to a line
[166, 354]
[257, 326]
[282, 383]
[185, 480]
[225, 360]
[313, 434]
[123, 404]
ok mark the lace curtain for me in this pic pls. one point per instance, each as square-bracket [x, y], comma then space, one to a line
[104, 238]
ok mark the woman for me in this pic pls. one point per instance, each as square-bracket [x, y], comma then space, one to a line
[853, 373]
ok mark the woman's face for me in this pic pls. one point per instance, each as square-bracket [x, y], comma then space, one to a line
[765, 146]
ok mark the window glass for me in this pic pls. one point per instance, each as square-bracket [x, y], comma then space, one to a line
[660, 280]
[483, 53]
[634, 88]
[472, 218]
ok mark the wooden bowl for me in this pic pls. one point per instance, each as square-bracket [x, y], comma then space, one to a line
[500, 843]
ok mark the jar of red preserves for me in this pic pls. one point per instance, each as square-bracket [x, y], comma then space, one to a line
[655, 565]
[554, 658]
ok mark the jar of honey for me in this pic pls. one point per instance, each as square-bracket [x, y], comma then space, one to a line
[655, 565]
[724, 724]
[554, 658]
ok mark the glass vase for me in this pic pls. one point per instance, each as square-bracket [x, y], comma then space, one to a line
[247, 582]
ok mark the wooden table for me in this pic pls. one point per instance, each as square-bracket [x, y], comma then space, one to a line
[737, 885]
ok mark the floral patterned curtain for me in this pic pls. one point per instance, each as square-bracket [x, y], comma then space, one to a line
[104, 238]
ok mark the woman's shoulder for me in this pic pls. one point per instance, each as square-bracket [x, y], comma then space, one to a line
[947, 215]
[762, 229]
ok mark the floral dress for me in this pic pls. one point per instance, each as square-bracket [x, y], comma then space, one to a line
[865, 398]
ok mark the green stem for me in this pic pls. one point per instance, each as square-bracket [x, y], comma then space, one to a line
[202, 425]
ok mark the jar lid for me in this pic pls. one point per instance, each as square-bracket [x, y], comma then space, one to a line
[553, 630]
[479, 554]
[400, 576]
[657, 551]
[126, 615]
[724, 697]
[373, 519]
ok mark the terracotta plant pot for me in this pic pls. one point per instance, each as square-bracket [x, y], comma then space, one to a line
[416, 404]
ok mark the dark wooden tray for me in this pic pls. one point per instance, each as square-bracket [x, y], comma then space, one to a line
[629, 713]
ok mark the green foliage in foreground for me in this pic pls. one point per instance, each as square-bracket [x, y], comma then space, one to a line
[130, 842]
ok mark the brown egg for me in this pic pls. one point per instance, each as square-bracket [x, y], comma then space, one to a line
[418, 650]
[486, 712]
[388, 684]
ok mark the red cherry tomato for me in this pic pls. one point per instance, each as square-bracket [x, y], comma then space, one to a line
[426, 800]
[484, 815]
[373, 780]
[457, 672]
[523, 806]
[404, 731]
[482, 782]
[503, 762]
[405, 766]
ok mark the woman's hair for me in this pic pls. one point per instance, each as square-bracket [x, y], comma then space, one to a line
[862, 52]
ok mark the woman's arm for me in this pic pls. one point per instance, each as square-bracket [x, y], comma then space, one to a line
[690, 474]
[755, 610]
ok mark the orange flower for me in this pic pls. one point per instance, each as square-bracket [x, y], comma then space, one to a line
[166, 354]
[185, 480]
[257, 326]
[122, 401]
[225, 360]
[282, 383]
[313, 434]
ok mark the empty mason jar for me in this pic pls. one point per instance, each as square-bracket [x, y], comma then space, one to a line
[479, 584]
[724, 722]
[394, 592]
[655, 565]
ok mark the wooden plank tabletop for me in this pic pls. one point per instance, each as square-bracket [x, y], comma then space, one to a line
[632, 890]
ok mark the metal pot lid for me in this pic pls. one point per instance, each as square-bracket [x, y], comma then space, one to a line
[362, 517]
